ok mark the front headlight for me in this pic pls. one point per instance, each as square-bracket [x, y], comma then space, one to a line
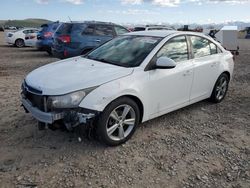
[71, 100]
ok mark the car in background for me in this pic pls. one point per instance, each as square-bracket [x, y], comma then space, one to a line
[1, 28]
[152, 27]
[11, 28]
[129, 80]
[45, 36]
[247, 32]
[30, 39]
[78, 38]
[17, 37]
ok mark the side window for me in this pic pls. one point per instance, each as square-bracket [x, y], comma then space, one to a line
[104, 30]
[26, 31]
[213, 48]
[120, 30]
[89, 30]
[201, 46]
[78, 28]
[176, 49]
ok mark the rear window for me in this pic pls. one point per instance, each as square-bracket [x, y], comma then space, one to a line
[68, 28]
[64, 29]
[139, 29]
[120, 30]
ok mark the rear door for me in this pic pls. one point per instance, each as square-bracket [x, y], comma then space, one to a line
[206, 61]
[88, 37]
[103, 33]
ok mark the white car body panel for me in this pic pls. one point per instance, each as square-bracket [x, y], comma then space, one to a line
[160, 90]
[19, 34]
[73, 73]
[31, 39]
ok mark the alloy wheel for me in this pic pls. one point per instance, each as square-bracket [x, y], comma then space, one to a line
[221, 88]
[120, 122]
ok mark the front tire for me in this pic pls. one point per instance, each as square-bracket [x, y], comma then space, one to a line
[118, 121]
[220, 88]
[19, 43]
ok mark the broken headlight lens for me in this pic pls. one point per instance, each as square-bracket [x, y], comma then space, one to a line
[71, 100]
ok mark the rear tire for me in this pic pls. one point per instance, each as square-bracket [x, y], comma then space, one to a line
[49, 51]
[118, 122]
[220, 88]
[19, 43]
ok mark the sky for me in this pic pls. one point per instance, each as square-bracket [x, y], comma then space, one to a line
[129, 11]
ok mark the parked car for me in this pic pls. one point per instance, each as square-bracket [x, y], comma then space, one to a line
[11, 28]
[128, 80]
[17, 37]
[1, 28]
[77, 38]
[247, 32]
[30, 39]
[45, 36]
[152, 27]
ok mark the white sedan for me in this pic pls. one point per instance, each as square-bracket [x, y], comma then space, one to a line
[128, 80]
[17, 37]
[31, 39]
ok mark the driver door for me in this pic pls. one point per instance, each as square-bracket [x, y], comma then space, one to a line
[170, 88]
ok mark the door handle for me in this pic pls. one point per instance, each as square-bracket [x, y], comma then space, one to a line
[97, 40]
[187, 73]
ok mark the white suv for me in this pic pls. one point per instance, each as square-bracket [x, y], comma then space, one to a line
[17, 38]
[128, 80]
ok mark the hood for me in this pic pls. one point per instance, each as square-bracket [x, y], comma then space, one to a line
[73, 74]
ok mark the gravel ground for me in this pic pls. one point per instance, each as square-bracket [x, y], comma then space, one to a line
[203, 145]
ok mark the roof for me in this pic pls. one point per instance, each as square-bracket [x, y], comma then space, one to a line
[230, 28]
[154, 33]
[164, 33]
[91, 22]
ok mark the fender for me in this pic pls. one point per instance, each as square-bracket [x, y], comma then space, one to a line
[132, 85]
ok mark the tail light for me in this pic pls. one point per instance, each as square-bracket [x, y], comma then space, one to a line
[64, 38]
[48, 34]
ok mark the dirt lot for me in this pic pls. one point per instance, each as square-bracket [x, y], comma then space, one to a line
[203, 145]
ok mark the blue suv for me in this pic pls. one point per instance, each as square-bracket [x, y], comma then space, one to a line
[45, 36]
[78, 38]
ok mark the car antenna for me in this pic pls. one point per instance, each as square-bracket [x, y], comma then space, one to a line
[70, 19]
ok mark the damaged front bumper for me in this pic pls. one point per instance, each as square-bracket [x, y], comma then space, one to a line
[70, 117]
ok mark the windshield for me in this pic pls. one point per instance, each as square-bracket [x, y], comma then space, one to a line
[126, 51]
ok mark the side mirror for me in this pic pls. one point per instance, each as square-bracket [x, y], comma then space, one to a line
[165, 63]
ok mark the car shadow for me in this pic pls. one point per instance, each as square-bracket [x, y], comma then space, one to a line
[71, 139]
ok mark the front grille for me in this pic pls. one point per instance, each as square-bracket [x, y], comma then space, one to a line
[36, 100]
[34, 96]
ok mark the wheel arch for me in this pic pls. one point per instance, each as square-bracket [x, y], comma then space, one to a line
[19, 39]
[227, 73]
[138, 102]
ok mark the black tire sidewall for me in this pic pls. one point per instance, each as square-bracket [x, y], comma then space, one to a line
[213, 97]
[101, 123]
[22, 43]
